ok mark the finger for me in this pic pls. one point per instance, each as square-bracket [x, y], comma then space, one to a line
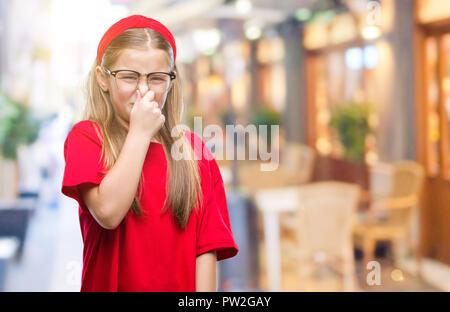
[138, 96]
[149, 96]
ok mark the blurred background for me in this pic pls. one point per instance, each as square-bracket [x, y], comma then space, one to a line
[360, 89]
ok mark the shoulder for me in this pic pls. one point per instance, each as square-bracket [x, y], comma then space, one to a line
[200, 148]
[86, 129]
[86, 126]
[204, 154]
[191, 136]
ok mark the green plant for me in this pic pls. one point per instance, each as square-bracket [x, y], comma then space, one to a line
[351, 122]
[225, 117]
[17, 126]
[266, 116]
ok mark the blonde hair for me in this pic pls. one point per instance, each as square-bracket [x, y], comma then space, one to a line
[183, 187]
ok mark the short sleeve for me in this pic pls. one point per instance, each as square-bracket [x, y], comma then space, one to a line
[82, 154]
[215, 231]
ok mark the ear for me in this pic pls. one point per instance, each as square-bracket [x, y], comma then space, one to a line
[102, 79]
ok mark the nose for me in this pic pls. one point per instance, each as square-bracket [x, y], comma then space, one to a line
[143, 85]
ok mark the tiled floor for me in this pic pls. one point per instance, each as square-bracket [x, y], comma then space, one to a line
[392, 279]
[51, 259]
[53, 250]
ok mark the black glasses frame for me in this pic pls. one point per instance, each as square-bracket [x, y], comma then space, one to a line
[114, 73]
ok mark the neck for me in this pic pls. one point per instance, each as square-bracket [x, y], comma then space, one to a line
[156, 139]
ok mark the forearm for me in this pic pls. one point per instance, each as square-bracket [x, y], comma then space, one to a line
[118, 189]
[205, 273]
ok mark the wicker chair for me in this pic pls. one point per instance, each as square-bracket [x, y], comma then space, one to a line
[395, 195]
[325, 217]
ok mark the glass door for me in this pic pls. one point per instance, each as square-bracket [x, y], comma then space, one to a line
[437, 54]
[445, 104]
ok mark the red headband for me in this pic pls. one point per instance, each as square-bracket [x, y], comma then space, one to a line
[134, 21]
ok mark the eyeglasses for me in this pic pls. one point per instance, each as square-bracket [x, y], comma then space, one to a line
[128, 80]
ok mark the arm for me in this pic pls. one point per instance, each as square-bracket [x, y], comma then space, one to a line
[110, 201]
[205, 273]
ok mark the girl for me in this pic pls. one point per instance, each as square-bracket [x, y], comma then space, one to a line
[149, 222]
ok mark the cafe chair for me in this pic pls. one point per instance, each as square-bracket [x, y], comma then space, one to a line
[325, 217]
[298, 163]
[295, 168]
[395, 194]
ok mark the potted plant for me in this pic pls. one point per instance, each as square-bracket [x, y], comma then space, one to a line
[351, 122]
[17, 127]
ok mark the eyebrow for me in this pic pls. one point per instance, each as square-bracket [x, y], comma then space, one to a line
[155, 71]
[127, 69]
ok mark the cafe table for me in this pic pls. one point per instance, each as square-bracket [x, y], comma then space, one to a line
[271, 202]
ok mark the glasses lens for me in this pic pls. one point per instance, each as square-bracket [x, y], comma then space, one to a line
[127, 80]
[159, 82]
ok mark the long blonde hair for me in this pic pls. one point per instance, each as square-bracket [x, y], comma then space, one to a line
[183, 187]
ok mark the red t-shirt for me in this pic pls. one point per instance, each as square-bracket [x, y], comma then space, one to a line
[150, 253]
